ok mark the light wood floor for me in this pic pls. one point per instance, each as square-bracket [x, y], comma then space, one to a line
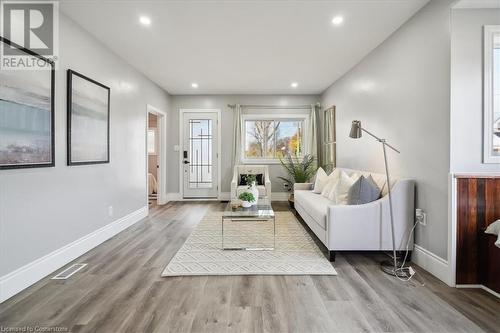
[121, 291]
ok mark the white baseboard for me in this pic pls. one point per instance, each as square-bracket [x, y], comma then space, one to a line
[162, 201]
[173, 197]
[225, 196]
[479, 286]
[29, 274]
[280, 196]
[432, 263]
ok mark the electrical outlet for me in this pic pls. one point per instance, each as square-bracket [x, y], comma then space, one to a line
[421, 216]
[110, 211]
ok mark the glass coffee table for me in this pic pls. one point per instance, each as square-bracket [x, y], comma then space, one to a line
[251, 229]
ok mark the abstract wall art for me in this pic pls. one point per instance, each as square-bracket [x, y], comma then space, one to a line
[88, 120]
[27, 114]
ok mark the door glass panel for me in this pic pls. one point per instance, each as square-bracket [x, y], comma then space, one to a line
[200, 153]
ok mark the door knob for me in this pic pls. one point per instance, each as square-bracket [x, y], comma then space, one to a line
[186, 162]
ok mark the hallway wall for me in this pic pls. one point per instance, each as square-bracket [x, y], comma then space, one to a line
[45, 209]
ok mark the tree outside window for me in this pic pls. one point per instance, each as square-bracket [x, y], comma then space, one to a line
[273, 139]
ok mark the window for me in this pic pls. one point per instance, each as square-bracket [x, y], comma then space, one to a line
[496, 98]
[491, 109]
[272, 139]
[151, 141]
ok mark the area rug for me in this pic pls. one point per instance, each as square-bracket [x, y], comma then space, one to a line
[295, 253]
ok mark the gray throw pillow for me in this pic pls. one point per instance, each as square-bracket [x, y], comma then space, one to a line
[363, 191]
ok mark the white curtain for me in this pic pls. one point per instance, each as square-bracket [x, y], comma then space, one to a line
[237, 135]
[312, 133]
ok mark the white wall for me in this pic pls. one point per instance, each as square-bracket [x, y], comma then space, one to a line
[467, 89]
[400, 91]
[221, 102]
[44, 209]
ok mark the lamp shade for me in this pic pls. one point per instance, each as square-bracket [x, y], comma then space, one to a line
[355, 129]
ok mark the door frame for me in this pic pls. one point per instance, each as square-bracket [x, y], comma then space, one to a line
[161, 198]
[181, 145]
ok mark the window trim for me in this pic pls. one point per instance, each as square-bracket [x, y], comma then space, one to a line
[488, 99]
[266, 116]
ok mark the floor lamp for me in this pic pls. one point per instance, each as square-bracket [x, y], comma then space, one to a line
[387, 266]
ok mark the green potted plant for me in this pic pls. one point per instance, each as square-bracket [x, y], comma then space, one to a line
[298, 171]
[246, 199]
[250, 180]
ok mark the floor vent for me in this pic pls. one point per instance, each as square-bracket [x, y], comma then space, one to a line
[68, 272]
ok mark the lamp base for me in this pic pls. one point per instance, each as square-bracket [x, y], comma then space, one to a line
[387, 267]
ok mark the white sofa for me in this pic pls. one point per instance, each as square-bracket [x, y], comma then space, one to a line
[264, 190]
[359, 227]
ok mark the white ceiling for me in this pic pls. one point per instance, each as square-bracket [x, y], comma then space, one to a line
[477, 4]
[242, 47]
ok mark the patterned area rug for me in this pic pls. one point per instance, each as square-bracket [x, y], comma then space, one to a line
[295, 253]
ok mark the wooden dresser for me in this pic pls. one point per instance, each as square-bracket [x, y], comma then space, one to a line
[478, 205]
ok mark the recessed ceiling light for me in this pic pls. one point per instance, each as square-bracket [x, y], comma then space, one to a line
[294, 85]
[337, 20]
[145, 20]
[194, 85]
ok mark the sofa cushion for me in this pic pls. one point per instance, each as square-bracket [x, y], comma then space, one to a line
[321, 180]
[314, 204]
[329, 188]
[379, 178]
[341, 189]
[363, 191]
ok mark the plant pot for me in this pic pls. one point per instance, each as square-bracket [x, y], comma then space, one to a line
[246, 204]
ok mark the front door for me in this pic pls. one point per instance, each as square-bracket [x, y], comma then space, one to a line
[200, 155]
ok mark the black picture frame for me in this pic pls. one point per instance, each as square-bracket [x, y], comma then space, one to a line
[29, 52]
[70, 74]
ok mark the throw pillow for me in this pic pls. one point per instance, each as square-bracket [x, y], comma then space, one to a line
[342, 188]
[329, 188]
[332, 193]
[363, 191]
[493, 228]
[259, 179]
[335, 174]
[321, 180]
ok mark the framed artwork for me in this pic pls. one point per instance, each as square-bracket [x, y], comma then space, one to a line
[27, 114]
[88, 120]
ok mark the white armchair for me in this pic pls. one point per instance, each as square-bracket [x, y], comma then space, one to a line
[264, 190]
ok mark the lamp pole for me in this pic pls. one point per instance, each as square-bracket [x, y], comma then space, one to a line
[356, 132]
[390, 204]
